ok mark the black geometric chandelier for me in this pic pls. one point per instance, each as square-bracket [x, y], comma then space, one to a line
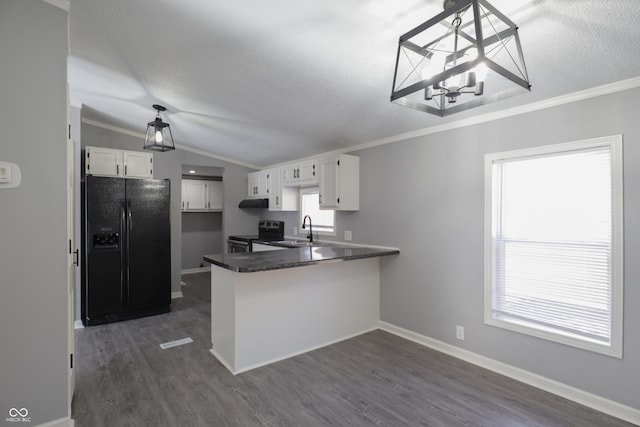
[466, 56]
[158, 136]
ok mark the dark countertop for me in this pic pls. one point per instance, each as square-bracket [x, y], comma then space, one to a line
[289, 258]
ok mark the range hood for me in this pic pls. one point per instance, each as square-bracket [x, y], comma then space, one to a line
[254, 203]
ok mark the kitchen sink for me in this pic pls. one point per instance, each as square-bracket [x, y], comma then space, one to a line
[296, 243]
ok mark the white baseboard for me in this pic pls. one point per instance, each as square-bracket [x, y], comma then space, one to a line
[582, 397]
[62, 422]
[177, 294]
[195, 270]
[78, 324]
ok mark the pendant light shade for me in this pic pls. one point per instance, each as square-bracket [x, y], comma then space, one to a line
[158, 136]
[466, 56]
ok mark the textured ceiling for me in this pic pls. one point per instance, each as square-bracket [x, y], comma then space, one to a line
[264, 82]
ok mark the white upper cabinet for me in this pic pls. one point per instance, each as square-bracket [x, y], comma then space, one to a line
[300, 173]
[340, 183]
[138, 165]
[199, 195]
[281, 198]
[194, 195]
[118, 163]
[215, 196]
[104, 161]
[258, 185]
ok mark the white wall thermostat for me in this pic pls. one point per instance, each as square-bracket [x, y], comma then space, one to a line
[9, 175]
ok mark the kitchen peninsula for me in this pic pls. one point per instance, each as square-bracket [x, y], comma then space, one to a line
[268, 306]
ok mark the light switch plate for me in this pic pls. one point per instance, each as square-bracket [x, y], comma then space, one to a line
[9, 175]
[5, 173]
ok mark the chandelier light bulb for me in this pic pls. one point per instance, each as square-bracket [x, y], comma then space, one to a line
[158, 136]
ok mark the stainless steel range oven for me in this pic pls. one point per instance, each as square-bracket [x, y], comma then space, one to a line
[268, 231]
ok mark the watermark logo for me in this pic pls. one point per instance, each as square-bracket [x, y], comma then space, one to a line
[18, 416]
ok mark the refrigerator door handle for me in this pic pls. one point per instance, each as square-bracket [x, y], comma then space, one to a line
[129, 228]
[123, 253]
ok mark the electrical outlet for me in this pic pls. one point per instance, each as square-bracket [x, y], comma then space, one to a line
[460, 332]
[347, 234]
[295, 230]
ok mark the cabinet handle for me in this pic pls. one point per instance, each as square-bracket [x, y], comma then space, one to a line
[320, 198]
[125, 170]
[76, 254]
[117, 169]
[277, 200]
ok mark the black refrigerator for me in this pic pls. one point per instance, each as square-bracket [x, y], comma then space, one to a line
[126, 271]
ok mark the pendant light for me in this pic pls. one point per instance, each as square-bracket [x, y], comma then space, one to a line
[158, 136]
[466, 56]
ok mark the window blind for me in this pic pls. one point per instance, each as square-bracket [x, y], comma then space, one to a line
[551, 242]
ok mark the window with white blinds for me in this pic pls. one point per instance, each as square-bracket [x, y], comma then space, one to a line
[554, 243]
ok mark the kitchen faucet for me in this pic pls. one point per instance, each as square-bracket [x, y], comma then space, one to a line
[304, 223]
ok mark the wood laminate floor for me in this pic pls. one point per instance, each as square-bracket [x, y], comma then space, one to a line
[124, 378]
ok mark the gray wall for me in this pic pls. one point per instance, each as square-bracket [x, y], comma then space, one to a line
[33, 217]
[169, 166]
[202, 234]
[425, 196]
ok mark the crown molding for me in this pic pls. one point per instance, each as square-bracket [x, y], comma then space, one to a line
[582, 95]
[178, 146]
[62, 4]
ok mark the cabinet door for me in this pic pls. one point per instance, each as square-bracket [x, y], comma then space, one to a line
[263, 184]
[138, 165]
[329, 179]
[289, 173]
[195, 195]
[275, 189]
[183, 192]
[251, 186]
[214, 195]
[257, 185]
[103, 161]
[307, 172]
